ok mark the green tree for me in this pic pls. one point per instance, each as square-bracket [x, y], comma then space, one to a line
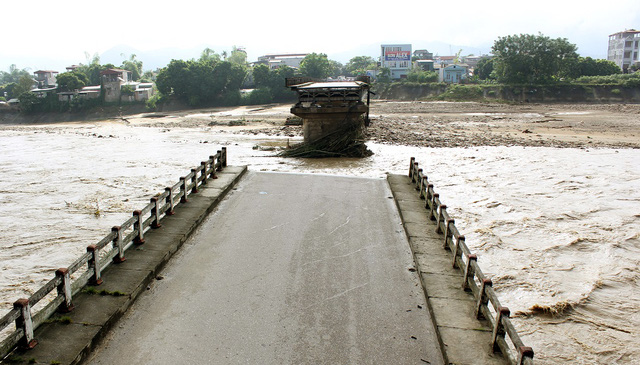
[8, 88]
[384, 75]
[533, 59]
[589, 67]
[203, 82]
[25, 83]
[421, 76]
[359, 65]
[133, 65]
[484, 69]
[68, 81]
[316, 65]
[238, 57]
[13, 75]
[209, 55]
[273, 81]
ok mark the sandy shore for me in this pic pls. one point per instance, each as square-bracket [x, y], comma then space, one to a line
[438, 124]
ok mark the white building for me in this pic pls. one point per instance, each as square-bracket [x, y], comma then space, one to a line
[275, 61]
[397, 58]
[623, 48]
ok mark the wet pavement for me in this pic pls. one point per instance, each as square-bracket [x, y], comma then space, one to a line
[290, 269]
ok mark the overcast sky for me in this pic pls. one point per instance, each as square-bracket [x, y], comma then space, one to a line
[40, 34]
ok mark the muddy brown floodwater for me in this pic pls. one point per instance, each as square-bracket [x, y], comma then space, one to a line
[547, 196]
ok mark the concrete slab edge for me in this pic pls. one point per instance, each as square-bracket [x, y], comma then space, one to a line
[441, 343]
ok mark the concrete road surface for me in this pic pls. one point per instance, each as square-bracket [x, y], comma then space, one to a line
[290, 269]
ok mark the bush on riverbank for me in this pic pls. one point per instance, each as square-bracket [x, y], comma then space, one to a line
[592, 89]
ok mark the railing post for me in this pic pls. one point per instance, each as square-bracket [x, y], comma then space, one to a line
[204, 174]
[456, 250]
[94, 265]
[213, 167]
[194, 180]
[498, 327]
[418, 179]
[469, 271]
[220, 158]
[411, 161]
[447, 233]
[25, 323]
[415, 172]
[223, 154]
[138, 226]
[524, 352]
[441, 209]
[117, 243]
[433, 208]
[482, 297]
[423, 184]
[156, 213]
[183, 190]
[428, 199]
[64, 289]
[169, 201]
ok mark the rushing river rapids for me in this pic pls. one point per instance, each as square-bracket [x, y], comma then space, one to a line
[558, 228]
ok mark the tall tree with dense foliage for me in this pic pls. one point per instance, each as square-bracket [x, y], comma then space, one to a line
[13, 76]
[134, 65]
[533, 59]
[209, 55]
[203, 82]
[69, 81]
[589, 67]
[239, 57]
[359, 65]
[272, 82]
[316, 65]
[484, 69]
[25, 83]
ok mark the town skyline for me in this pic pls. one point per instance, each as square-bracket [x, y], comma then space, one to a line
[150, 28]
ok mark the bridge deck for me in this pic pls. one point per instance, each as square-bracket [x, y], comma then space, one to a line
[290, 269]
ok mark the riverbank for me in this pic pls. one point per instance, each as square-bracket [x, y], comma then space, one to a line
[419, 124]
[434, 124]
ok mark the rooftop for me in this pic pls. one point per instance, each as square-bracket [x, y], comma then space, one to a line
[332, 85]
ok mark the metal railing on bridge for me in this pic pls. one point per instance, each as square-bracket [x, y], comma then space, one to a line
[488, 305]
[99, 256]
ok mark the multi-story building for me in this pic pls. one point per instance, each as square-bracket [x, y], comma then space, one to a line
[45, 79]
[397, 58]
[624, 48]
[422, 54]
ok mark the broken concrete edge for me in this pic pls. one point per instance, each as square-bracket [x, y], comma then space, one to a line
[443, 347]
[22, 356]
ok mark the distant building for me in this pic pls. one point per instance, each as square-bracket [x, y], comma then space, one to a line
[422, 54]
[45, 79]
[624, 48]
[112, 81]
[453, 74]
[472, 61]
[425, 65]
[276, 60]
[445, 60]
[397, 58]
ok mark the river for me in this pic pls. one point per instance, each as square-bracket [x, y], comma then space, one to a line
[559, 229]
